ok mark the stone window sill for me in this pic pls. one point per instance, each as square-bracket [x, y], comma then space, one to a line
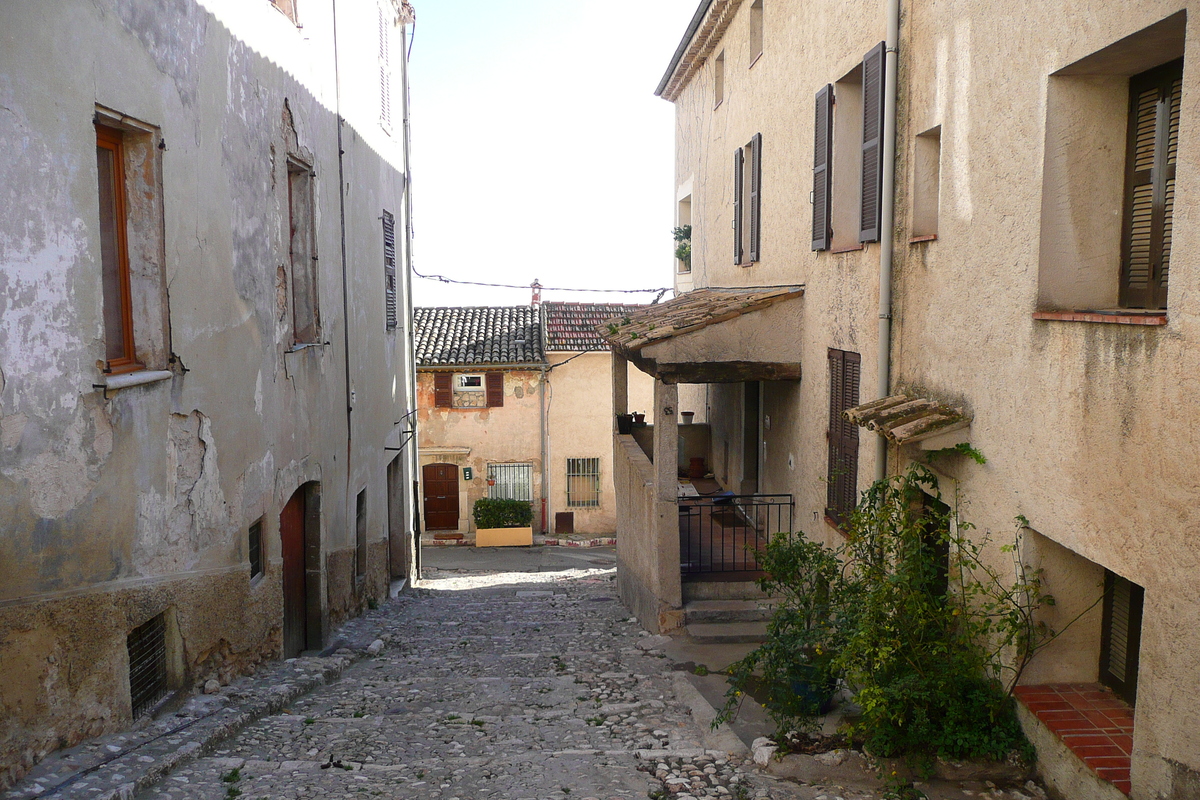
[850, 249]
[124, 381]
[1110, 317]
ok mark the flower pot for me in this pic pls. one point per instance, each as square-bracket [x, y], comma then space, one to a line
[639, 419]
[503, 537]
[686, 417]
[625, 423]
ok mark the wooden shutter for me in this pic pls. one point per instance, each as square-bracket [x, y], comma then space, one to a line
[842, 483]
[385, 70]
[737, 206]
[755, 196]
[872, 145]
[389, 269]
[1120, 635]
[495, 389]
[1154, 109]
[822, 231]
[443, 394]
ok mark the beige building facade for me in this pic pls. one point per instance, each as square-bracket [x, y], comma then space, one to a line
[1038, 282]
[203, 348]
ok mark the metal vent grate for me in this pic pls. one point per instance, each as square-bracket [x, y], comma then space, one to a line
[147, 646]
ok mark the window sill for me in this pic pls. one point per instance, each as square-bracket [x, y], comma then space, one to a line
[757, 58]
[850, 249]
[718, 105]
[831, 522]
[747, 264]
[128, 379]
[298, 346]
[919, 239]
[1114, 317]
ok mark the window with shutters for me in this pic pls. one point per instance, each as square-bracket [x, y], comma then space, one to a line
[389, 270]
[131, 238]
[842, 481]
[385, 65]
[302, 253]
[468, 389]
[747, 202]
[583, 482]
[1153, 131]
[1121, 635]
[756, 31]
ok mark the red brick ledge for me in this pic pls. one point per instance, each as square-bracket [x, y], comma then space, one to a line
[1094, 724]
[1111, 319]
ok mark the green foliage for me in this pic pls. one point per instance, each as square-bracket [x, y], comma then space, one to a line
[929, 634]
[683, 246]
[502, 513]
[960, 449]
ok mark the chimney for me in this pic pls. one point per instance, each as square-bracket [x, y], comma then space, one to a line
[536, 302]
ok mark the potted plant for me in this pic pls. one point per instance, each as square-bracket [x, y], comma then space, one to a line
[503, 523]
[625, 423]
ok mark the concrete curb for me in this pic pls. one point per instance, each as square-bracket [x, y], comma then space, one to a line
[720, 738]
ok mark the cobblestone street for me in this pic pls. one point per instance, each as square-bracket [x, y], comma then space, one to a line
[510, 685]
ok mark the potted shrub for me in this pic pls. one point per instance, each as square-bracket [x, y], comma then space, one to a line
[503, 523]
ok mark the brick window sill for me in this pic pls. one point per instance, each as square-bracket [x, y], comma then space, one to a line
[1105, 317]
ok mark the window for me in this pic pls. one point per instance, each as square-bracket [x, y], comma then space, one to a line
[927, 155]
[747, 202]
[719, 79]
[256, 553]
[360, 535]
[385, 68]
[1154, 110]
[756, 30]
[683, 236]
[842, 483]
[147, 649]
[389, 270]
[468, 390]
[510, 481]
[114, 252]
[583, 482]
[303, 256]
[1121, 635]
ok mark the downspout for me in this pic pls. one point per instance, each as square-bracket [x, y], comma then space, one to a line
[545, 449]
[410, 356]
[337, 94]
[887, 222]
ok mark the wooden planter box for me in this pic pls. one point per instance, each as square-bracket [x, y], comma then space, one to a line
[503, 537]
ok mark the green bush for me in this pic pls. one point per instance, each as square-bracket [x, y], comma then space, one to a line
[502, 513]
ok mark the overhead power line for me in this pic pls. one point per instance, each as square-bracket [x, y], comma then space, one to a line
[444, 279]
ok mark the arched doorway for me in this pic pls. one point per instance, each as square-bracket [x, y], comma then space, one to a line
[440, 490]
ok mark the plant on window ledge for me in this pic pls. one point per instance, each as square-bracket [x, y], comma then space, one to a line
[683, 250]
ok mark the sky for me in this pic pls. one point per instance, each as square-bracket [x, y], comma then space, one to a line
[539, 149]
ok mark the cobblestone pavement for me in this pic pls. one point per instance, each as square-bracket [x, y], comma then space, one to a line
[533, 688]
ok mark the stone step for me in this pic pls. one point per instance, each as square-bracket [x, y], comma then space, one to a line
[711, 611]
[727, 632]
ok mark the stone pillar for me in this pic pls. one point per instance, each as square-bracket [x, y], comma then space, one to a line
[620, 386]
[666, 439]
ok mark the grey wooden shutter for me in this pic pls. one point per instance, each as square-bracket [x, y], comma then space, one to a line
[443, 393]
[842, 483]
[385, 70]
[495, 389]
[1120, 635]
[1154, 109]
[822, 231]
[389, 269]
[872, 145]
[755, 196]
[737, 206]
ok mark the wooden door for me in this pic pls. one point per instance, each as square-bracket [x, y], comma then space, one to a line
[291, 531]
[441, 496]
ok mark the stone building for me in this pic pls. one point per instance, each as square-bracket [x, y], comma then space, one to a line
[205, 380]
[981, 210]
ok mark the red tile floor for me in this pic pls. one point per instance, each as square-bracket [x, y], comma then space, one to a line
[1092, 722]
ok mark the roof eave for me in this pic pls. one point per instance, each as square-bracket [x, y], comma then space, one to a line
[693, 26]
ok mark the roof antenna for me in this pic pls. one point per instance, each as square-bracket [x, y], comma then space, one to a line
[537, 293]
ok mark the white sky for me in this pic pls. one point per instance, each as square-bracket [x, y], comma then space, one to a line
[539, 149]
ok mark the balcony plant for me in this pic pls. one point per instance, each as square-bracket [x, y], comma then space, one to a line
[502, 523]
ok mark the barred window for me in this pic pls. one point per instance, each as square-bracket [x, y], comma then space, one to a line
[510, 481]
[583, 482]
[256, 554]
[147, 646]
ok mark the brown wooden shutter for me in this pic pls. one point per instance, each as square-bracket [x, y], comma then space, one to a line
[1154, 109]
[443, 394]
[495, 389]
[737, 206]
[872, 145]
[755, 196]
[389, 269]
[1121, 634]
[822, 232]
[842, 484]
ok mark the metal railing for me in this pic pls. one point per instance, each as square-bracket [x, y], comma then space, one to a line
[723, 534]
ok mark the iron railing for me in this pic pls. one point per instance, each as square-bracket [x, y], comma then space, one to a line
[723, 534]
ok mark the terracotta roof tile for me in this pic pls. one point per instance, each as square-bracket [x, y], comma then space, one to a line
[572, 326]
[477, 335]
[902, 419]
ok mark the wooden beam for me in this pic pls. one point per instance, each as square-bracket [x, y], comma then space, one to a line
[727, 372]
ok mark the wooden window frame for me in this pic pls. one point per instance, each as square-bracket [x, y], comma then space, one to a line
[842, 480]
[113, 140]
[297, 169]
[1161, 172]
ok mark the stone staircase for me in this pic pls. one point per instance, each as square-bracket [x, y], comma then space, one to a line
[727, 621]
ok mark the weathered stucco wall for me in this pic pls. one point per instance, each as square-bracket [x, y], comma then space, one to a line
[580, 425]
[118, 505]
[509, 434]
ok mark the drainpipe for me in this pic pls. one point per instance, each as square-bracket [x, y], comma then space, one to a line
[887, 221]
[337, 94]
[545, 449]
[410, 355]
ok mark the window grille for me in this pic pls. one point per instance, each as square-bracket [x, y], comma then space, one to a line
[360, 535]
[583, 482]
[256, 559]
[147, 645]
[510, 481]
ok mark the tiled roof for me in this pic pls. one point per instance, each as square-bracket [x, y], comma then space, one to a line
[572, 326]
[688, 312]
[902, 419]
[477, 335]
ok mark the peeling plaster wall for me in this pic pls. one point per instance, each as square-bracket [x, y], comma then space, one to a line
[118, 505]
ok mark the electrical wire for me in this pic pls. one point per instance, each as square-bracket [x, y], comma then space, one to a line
[444, 279]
